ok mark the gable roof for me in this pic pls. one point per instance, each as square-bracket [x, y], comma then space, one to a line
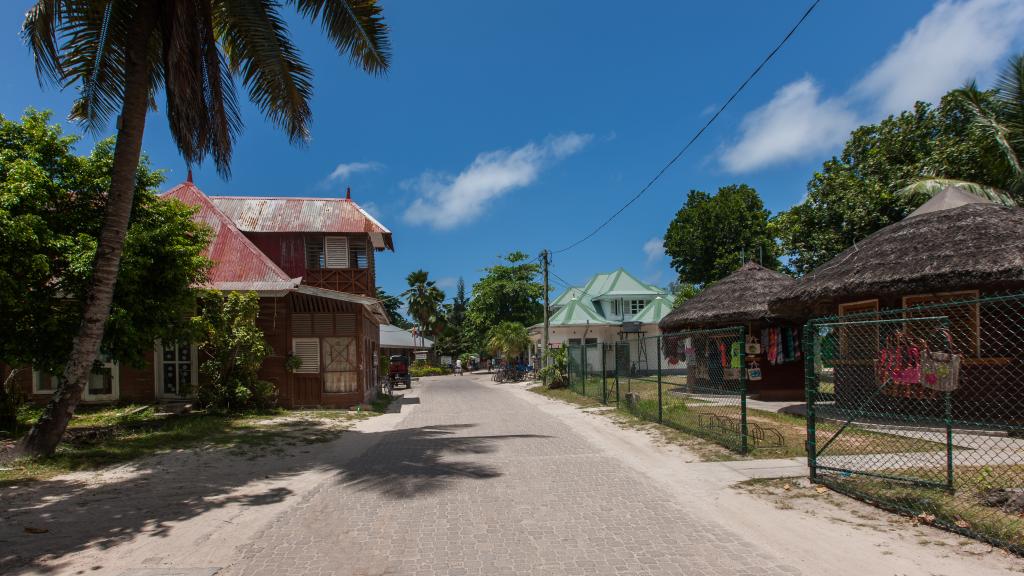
[567, 296]
[237, 263]
[654, 311]
[619, 283]
[287, 214]
[742, 296]
[578, 311]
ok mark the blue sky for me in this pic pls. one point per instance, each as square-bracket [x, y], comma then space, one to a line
[522, 125]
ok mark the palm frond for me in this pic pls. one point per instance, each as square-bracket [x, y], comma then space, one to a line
[257, 46]
[988, 120]
[201, 106]
[356, 28]
[39, 32]
[931, 186]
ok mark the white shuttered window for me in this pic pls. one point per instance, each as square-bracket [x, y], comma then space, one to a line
[307, 350]
[336, 252]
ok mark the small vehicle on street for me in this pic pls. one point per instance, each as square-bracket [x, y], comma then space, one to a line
[398, 371]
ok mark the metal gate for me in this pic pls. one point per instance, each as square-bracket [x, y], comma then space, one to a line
[879, 400]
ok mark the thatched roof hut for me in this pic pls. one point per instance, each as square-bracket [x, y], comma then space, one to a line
[739, 298]
[974, 244]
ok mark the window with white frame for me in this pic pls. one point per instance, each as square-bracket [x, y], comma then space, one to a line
[615, 307]
[307, 350]
[43, 382]
[635, 306]
[102, 378]
[176, 371]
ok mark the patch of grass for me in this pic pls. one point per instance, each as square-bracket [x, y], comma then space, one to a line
[380, 405]
[770, 434]
[565, 395]
[248, 434]
[962, 510]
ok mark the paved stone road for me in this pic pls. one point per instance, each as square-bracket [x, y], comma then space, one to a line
[476, 481]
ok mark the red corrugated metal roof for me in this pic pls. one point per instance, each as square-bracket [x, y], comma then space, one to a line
[237, 263]
[286, 214]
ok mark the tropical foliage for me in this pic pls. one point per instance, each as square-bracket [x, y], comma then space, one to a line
[857, 192]
[393, 306]
[51, 211]
[555, 372]
[454, 339]
[712, 235]
[508, 340]
[511, 292]
[120, 55]
[424, 300]
[233, 349]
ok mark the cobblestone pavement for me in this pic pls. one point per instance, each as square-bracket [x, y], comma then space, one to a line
[476, 481]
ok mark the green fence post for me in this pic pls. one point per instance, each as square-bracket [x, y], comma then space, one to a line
[658, 339]
[949, 439]
[618, 400]
[743, 393]
[810, 395]
[583, 356]
[604, 375]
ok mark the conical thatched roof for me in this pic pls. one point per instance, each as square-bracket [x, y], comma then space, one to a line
[975, 245]
[742, 296]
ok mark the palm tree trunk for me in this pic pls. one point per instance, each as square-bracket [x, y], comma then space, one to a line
[44, 437]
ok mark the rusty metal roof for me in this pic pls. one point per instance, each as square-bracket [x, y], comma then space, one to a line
[237, 263]
[287, 214]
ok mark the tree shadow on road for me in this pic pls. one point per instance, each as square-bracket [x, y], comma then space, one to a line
[414, 462]
[42, 523]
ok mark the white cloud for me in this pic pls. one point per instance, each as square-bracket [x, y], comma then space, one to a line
[447, 282]
[654, 249]
[954, 42]
[372, 208]
[446, 201]
[344, 170]
[795, 123]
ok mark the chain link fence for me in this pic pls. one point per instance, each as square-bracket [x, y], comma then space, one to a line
[692, 381]
[921, 410]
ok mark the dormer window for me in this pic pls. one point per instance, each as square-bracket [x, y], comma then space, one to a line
[635, 306]
[335, 252]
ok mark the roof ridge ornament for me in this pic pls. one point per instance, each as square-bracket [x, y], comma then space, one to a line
[348, 193]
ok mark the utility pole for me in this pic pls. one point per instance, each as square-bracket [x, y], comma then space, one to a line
[546, 259]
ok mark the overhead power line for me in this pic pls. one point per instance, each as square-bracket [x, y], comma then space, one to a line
[697, 135]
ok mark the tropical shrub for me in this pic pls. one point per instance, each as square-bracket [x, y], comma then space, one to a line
[233, 349]
[555, 372]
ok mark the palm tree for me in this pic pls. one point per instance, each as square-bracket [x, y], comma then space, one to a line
[508, 339]
[424, 300]
[1000, 115]
[122, 53]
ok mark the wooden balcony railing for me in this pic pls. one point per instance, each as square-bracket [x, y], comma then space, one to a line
[351, 280]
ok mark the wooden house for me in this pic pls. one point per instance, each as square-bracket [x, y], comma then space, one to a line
[311, 261]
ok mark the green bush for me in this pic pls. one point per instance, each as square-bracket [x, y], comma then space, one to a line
[556, 373]
[420, 368]
[234, 349]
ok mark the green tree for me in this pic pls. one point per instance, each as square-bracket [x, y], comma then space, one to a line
[453, 340]
[856, 193]
[424, 299]
[51, 212]
[120, 55]
[999, 116]
[682, 292]
[393, 306]
[508, 340]
[507, 292]
[233, 348]
[711, 235]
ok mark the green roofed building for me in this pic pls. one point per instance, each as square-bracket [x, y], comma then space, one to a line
[610, 307]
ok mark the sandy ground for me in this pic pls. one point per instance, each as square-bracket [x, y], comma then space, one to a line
[833, 535]
[198, 508]
[196, 504]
